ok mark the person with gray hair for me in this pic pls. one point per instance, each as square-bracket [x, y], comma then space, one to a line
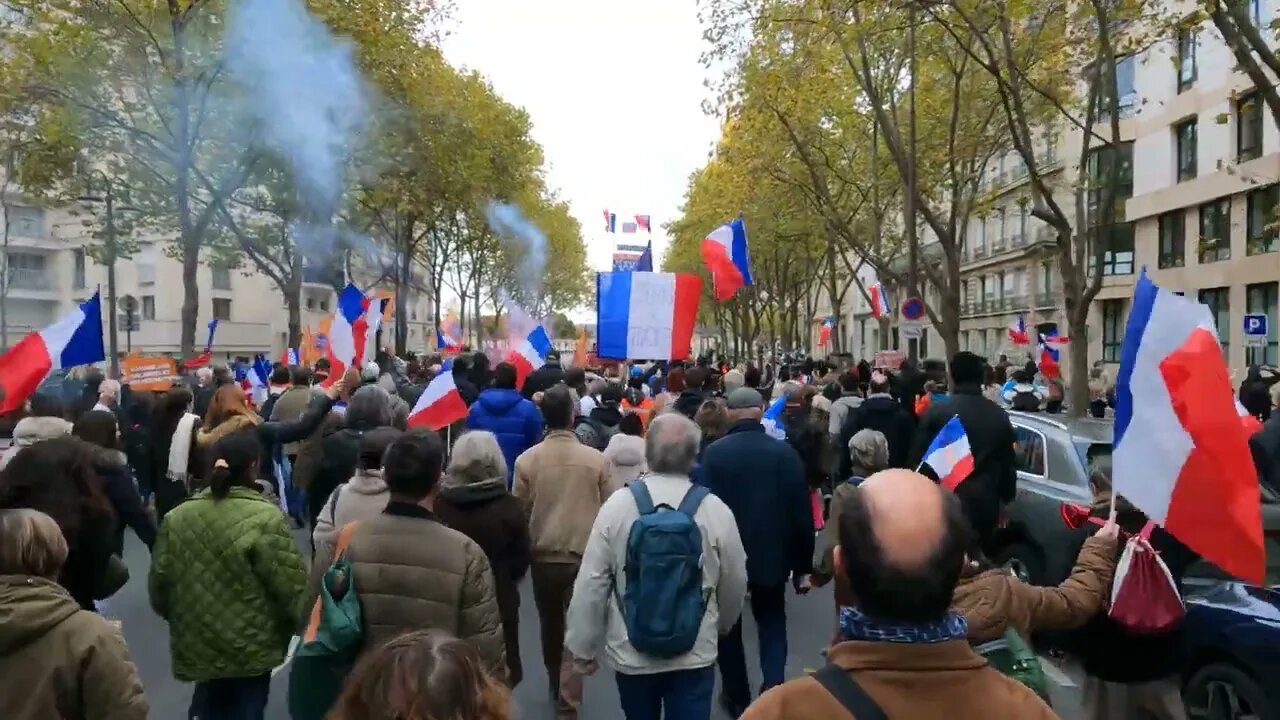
[762, 480]
[475, 502]
[648, 684]
[369, 408]
[57, 660]
[868, 455]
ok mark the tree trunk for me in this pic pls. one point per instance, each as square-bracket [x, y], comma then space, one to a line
[293, 301]
[190, 294]
[1078, 362]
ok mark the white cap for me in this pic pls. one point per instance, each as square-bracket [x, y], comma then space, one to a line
[371, 371]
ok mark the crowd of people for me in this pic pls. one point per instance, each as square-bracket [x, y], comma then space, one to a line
[647, 502]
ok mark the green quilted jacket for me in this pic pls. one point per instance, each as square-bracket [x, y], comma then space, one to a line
[228, 577]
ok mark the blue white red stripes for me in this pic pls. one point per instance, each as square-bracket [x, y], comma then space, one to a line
[646, 315]
[75, 339]
[879, 297]
[351, 335]
[530, 354]
[440, 403]
[1181, 453]
[291, 357]
[949, 455]
[1018, 331]
[725, 253]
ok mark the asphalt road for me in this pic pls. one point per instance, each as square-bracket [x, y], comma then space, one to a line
[809, 624]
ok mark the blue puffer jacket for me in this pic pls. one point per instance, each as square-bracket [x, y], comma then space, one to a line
[515, 421]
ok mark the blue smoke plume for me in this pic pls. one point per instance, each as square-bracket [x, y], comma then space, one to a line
[302, 92]
[511, 224]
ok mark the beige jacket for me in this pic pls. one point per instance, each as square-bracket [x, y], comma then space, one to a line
[563, 483]
[363, 497]
[625, 458]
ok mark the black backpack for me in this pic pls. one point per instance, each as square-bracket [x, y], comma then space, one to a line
[593, 433]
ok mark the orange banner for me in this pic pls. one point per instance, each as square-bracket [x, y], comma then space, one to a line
[148, 374]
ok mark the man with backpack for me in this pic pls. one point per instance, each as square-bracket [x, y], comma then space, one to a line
[762, 481]
[663, 578]
[901, 652]
[597, 427]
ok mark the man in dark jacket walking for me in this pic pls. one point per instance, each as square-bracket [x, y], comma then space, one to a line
[994, 480]
[882, 413]
[595, 428]
[543, 378]
[762, 481]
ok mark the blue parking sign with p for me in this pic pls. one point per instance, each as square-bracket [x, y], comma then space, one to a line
[1255, 324]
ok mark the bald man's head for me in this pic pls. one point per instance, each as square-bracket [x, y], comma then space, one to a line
[902, 545]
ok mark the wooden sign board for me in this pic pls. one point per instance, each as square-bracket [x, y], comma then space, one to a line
[149, 374]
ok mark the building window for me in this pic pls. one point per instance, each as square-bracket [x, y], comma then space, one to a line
[1112, 329]
[1248, 127]
[1008, 285]
[1173, 240]
[1261, 299]
[311, 303]
[1263, 227]
[324, 305]
[148, 307]
[1046, 278]
[1186, 58]
[1024, 218]
[78, 272]
[222, 308]
[26, 271]
[1117, 259]
[221, 278]
[1184, 134]
[1219, 302]
[1099, 167]
[1215, 231]
[26, 221]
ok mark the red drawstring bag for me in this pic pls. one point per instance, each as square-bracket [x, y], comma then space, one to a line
[1144, 597]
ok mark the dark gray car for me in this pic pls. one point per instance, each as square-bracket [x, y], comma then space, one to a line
[1054, 455]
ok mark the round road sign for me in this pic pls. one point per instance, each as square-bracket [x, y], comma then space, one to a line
[912, 309]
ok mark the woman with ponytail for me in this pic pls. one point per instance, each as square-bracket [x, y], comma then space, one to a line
[228, 578]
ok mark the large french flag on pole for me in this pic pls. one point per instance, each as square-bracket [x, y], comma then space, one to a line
[879, 300]
[440, 403]
[1181, 453]
[75, 339]
[724, 250]
[646, 315]
[949, 455]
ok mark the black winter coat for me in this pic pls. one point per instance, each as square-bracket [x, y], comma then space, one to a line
[118, 485]
[883, 414]
[339, 451]
[1264, 445]
[761, 479]
[994, 481]
[542, 379]
[1109, 653]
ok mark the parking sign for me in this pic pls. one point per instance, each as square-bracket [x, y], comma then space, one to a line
[1255, 330]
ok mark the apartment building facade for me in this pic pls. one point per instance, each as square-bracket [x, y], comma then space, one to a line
[1201, 219]
[51, 267]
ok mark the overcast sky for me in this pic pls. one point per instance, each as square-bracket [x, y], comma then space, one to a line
[614, 88]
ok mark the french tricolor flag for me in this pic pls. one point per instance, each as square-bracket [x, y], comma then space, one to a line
[530, 354]
[440, 403]
[253, 379]
[646, 315]
[1018, 331]
[610, 222]
[290, 357]
[351, 335]
[949, 455]
[447, 342]
[879, 300]
[724, 250]
[1181, 452]
[824, 334]
[75, 339]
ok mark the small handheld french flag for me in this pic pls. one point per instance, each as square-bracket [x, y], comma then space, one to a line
[949, 455]
[1018, 331]
[440, 403]
[290, 357]
[530, 354]
[724, 251]
[772, 418]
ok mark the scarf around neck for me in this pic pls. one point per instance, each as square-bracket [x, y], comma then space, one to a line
[854, 625]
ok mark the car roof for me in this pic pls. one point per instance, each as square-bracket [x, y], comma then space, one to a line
[1086, 429]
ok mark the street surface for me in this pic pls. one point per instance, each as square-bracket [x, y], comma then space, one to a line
[809, 622]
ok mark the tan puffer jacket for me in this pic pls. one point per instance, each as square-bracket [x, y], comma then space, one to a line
[994, 600]
[414, 573]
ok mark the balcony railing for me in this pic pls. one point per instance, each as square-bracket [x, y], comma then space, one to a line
[998, 246]
[1017, 240]
[980, 251]
[22, 279]
[1045, 300]
[1046, 234]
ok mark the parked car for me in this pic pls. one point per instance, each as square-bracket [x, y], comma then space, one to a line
[1054, 454]
[1233, 638]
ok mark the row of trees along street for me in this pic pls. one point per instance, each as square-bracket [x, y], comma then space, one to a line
[841, 117]
[139, 91]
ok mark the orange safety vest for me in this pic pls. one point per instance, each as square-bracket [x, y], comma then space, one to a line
[644, 410]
